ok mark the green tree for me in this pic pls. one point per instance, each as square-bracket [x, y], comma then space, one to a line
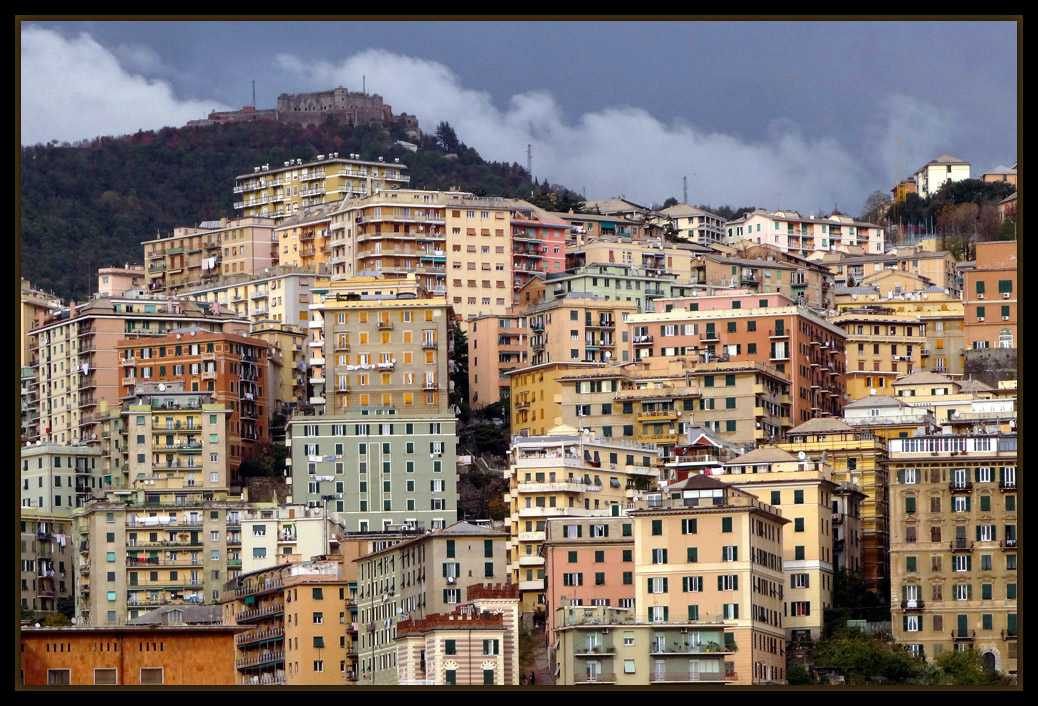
[868, 659]
[966, 668]
[447, 138]
[671, 201]
[460, 376]
[874, 204]
[799, 676]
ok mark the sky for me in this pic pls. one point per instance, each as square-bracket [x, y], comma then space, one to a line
[793, 115]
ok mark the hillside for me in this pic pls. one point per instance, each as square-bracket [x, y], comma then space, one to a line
[91, 204]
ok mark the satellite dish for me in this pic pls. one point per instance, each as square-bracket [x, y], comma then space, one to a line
[801, 455]
[162, 387]
[872, 391]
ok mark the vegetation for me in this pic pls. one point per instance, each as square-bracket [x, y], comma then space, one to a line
[267, 460]
[94, 201]
[868, 659]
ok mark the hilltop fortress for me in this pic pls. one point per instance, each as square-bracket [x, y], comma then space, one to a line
[313, 108]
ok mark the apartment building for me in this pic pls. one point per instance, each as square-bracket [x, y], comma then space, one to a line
[957, 403]
[937, 268]
[163, 543]
[693, 224]
[723, 549]
[804, 348]
[273, 535]
[279, 293]
[587, 561]
[937, 172]
[476, 644]
[888, 417]
[282, 191]
[614, 282]
[28, 404]
[700, 451]
[296, 627]
[534, 391]
[990, 298]
[287, 381]
[804, 492]
[193, 255]
[939, 312]
[417, 579]
[847, 528]
[57, 479]
[128, 655]
[859, 457]
[304, 238]
[538, 245]
[498, 344]
[652, 255]
[655, 400]
[586, 226]
[789, 231]
[116, 281]
[577, 326]
[606, 646]
[567, 473]
[36, 306]
[233, 368]
[46, 555]
[880, 345]
[954, 546]
[77, 367]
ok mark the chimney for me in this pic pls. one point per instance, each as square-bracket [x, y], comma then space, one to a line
[223, 221]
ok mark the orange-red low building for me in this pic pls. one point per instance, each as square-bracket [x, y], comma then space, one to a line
[129, 655]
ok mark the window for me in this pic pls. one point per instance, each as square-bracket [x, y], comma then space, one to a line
[59, 677]
[151, 675]
[318, 618]
[726, 524]
[657, 585]
[659, 556]
[798, 497]
[106, 676]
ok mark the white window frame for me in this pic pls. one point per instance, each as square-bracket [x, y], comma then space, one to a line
[728, 582]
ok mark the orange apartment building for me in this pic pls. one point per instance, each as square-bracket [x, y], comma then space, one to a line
[588, 561]
[190, 256]
[233, 367]
[129, 655]
[990, 297]
[498, 344]
[304, 239]
[881, 345]
[806, 349]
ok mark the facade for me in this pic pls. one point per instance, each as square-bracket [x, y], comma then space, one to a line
[476, 644]
[791, 232]
[713, 555]
[282, 295]
[116, 281]
[567, 474]
[282, 191]
[191, 256]
[304, 239]
[880, 346]
[137, 655]
[954, 543]
[1001, 173]
[77, 369]
[619, 282]
[806, 349]
[937, 267]
[273, 535]
[498, 344]
[936, 173]
[58, 479]
[417, 579]
[534, 391]
[694, 224]
[600, 549]
[857, 457]
[287, 383]
[847, 529]
[888, 417]
[652, 255]
[538, 245]
[28, 403]
[990, 297]
[47, 556]
[36, 306]
[804, 492]
[578, 327]
[612, 646]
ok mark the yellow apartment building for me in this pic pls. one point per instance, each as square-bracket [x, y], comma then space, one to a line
[282, 191]
[655, 400]
[954, 546]
[803, 490]
[880, 346]
[566, 473]
[713, 555]
[287, 375]
[608, 646]
[195, 255]
[958, 403]
[536, 396]
[857, 457]
[304, 239]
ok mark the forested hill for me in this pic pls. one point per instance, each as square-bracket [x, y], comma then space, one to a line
[91, 204]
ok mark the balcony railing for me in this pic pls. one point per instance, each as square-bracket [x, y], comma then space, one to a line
[250, 637]
[959, 636]
[912, 605]
[261, 612]
[960, 487]
[596, 678]
[267, 658]
[662, 677]
[961, 545]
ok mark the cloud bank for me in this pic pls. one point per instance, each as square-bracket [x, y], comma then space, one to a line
[74, 89]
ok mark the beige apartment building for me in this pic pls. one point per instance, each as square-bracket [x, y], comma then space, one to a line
[804, 491]
[116, 281]
[57, 479]
[304, 238]
[194, 255]
[74, 354]
[954, 546]
[536, 396]
[578, 327]
[36, 306]
[274, 535]
[281, 293]
[46, 556]
[847, 529]
[653, 255]
[416, 579]
[713, 555]
[567, 474]
[282, 191]
[880, 346]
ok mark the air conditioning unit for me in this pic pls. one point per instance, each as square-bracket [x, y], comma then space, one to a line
[1005, 295]
[451, 579]
[913, 604]
[980, 296]
[980, 318]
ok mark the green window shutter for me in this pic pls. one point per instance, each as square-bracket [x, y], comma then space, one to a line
[1005, 285]
[985, 591]
[910, 563]
[488, 547]
[627, 530]
[580, 530]
[1010, 591]
[572, 557]
[720, 583]
[994, 532]
[726, 524]
[729, 403]
[735, 581]
[693, 612]
[776, 497]
[798, 524]
[980, 286]
[666, 613]
[488, 676]
[904, 623]
[969, 591]
[967, 503]
[605, 531]
[985, 621]
[684, 584]
[657, 527]
[648, 585]
[978, 533]
[962, 626]
[693, 555]
[980, 312]
[1011, 622]
[969, 563]
[729, 380]
[735, 609]
[451, 678]
[910, 506]
[664, 584]
[450, 549]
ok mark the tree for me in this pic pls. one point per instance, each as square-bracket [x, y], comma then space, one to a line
[267, 460]
[446, 137]
[868, 659]
[966, 668]
[670, 202]
[460, 376]
[875, 201]
[798, 676]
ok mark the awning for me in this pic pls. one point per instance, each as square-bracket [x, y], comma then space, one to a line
[249, 600]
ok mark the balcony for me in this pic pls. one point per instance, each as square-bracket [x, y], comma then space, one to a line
[261, 636]
[967, 636]
[710, 335]
[657, 438]
[912, 605]
[1009, 634]
[961, 544]
[688, 676]
[957, 487]
[1007, 486]
[426, 344]
[385, 325]
[645, 340]
[657, 416]
[260, 613]
[257, 660]
[595, 678]
[778, 333]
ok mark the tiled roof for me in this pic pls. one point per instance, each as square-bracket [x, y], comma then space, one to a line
[765, 454]
[820, 426]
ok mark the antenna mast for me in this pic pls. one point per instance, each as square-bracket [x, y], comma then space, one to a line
[529, 160]
[684, 187]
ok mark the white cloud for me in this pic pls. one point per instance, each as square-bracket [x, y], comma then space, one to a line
[908, 134]
[612, 151]
[73, 88]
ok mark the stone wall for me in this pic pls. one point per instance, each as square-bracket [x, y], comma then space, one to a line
[991, 365]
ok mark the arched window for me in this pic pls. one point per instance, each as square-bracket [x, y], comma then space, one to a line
[1005, 338]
